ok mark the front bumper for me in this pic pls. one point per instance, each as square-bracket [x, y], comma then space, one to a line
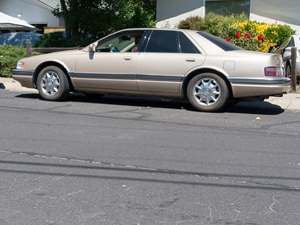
[24, 77]
[256, 87]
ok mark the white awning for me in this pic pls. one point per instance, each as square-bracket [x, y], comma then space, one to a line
[11, 23]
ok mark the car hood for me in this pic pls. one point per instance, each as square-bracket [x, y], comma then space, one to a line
[62, 57]
[67, 52]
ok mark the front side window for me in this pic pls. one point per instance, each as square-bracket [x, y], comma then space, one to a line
[163, 42]
[228, 7]
[129, 41]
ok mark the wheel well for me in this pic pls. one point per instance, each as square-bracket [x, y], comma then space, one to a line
[200, 71]
[44, 65]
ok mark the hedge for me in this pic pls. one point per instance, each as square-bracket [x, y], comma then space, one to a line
[9, 56]
[250, 35]
[59, 39]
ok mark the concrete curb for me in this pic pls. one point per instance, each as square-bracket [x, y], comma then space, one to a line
[290, 102]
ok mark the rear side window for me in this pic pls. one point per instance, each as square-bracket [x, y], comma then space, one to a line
[186, 45]
[164, 42]
[225, 45]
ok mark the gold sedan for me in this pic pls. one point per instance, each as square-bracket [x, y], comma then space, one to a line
[198, 66]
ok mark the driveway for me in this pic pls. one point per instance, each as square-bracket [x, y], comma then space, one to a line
[122, 160]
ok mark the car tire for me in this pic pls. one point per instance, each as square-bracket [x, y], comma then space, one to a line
[208, 92]
[53, 84]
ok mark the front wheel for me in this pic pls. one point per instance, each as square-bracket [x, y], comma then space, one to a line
[52, 84]
[207, 92]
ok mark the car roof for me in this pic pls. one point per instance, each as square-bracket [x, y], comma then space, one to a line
[206, 47]
[159, 29]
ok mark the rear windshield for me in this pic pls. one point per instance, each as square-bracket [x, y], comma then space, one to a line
[225, 45]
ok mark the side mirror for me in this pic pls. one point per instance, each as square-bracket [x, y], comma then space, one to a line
[92, 48]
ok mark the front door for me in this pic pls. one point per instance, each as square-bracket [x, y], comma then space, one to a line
[113, 66]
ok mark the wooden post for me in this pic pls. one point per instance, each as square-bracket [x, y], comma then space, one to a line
[28, 48]
[293, 68]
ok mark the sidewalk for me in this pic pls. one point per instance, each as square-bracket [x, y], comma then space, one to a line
[12, 85]
[290, 102]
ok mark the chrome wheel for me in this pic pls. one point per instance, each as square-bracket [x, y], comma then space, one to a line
[207, 91]
[50, 83]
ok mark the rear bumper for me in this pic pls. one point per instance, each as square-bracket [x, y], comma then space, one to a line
[24, 77]
[249, 87]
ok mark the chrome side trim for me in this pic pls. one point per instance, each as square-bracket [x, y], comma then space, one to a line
[257, 81]
[159, 78]
[126, 77]
[22, 73]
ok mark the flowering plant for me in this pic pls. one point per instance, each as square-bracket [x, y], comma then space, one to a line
[239, 30]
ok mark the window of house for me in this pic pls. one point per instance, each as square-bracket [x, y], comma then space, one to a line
[228, 7]
[164, 42]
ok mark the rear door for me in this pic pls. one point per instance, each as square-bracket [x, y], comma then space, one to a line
[167, 57]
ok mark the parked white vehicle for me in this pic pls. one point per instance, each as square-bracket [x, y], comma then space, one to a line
[287, 46]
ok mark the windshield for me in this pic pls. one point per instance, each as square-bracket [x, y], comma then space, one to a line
[226, 46]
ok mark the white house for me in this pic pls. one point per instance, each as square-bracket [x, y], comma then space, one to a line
[170, 13]
[35, 12]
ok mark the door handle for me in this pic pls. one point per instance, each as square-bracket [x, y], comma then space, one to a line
[127, 58]
[190, 60]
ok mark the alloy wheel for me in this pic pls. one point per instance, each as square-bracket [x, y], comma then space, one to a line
[207, 91]
[50, 83]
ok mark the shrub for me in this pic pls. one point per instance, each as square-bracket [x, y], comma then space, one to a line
[59, 39]
[9, 56]
[239, 30]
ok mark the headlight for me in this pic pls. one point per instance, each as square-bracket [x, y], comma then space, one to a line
[20, 65]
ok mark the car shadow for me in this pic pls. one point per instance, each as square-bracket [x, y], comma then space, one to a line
[255, 107]
[246, 107]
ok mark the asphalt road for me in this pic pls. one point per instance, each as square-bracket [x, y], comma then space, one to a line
[129, 161]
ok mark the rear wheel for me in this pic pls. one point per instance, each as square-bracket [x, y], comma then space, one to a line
[208, 92]
[52, 83]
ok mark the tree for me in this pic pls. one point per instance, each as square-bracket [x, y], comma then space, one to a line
[87, 20]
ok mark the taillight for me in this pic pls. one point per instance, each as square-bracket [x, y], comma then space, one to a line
[273, 71]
